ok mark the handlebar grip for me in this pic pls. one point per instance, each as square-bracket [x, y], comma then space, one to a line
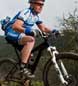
[33, 33]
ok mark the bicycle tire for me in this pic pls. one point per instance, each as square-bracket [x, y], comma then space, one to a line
[6, 65]
[49, 70]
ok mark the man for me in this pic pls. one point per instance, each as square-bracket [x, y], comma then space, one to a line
[20, 28]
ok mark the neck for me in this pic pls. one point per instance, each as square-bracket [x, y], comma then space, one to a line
[33, 11]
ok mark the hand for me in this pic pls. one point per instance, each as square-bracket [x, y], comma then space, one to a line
[30, 31]
[56, 32]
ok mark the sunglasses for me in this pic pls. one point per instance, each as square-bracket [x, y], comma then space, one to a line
[40, 4]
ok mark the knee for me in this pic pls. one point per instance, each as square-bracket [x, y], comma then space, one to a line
[32, 42]
[30, 39]
[33, 39]
[26, 40]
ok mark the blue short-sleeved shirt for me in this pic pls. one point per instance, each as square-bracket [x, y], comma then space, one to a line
[28, 16]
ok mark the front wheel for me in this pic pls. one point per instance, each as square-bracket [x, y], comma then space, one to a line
[50, 76]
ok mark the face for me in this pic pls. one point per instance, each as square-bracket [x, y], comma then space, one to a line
[37, 6]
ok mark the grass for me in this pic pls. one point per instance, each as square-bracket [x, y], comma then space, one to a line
[11, 83]
[37, 83]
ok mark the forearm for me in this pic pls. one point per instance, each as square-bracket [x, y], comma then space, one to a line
[47, 30]
[43, 28]
[18, 26]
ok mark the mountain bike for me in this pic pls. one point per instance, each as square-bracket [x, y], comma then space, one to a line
[56, 72]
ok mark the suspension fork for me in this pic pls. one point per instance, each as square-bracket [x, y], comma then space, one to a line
[53, 52]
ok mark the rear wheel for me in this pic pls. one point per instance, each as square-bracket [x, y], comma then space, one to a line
[70, 61]
[8, 73]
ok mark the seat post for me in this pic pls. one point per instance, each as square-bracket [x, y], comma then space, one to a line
[17, 53]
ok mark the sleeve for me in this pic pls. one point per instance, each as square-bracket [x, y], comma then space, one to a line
[39, 21]
[23, 15]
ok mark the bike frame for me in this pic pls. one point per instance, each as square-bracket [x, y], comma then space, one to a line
[52, 51]
[39, 48]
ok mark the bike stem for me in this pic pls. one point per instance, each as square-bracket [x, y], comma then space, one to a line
[53, 52]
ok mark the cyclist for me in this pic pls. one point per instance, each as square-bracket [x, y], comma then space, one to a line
[20, 28]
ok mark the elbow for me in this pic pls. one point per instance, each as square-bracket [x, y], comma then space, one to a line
[43, 29]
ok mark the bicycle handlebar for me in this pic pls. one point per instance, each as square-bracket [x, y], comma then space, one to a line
[47, 36]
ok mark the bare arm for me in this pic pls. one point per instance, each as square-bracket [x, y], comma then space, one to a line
[43, 28]
[18, 26]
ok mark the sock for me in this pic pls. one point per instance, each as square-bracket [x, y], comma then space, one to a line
[23, 65]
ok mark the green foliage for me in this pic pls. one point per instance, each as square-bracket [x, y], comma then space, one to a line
[37, 83]
[69, 27]
[70, 21]
[33, 83]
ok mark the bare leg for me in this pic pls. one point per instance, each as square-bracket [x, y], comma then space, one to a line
[26, 51]
[28, 43]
